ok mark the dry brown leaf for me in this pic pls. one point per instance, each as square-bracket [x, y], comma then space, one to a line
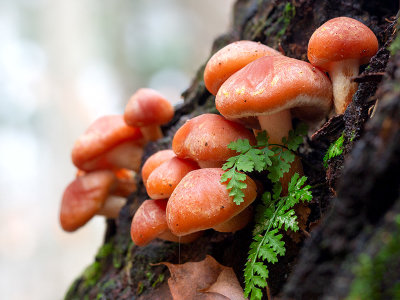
[203, 280]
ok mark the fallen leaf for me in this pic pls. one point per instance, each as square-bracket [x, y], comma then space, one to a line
[203, 280]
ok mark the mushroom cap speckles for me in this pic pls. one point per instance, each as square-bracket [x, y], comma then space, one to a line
[201, 201]
[230, 59]
[341, 39]
[274, 83]
[164, 179]
[206, 137]
[84, 197]
[101, 136]
[148, 107]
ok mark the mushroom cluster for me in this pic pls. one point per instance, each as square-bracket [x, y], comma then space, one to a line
[108, 155]
[255, 87]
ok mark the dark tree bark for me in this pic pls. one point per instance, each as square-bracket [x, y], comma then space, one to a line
[356, 200]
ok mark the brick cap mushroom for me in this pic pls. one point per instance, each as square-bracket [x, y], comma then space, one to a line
[340, 46]
[84, 197]
[164, 179]
[230, 59]
[154, 161]
[205, 139]
[270, 89]
[201, 201]
[149, 222]
[148, 109]
[108, 143]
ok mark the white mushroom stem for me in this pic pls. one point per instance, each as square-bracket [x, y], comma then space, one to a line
[278, 126]
[341, 73]
[151, 133]
[236, 223]
[111, 207]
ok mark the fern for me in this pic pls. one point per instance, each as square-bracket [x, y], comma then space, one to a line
[275, 211]
[335, 149]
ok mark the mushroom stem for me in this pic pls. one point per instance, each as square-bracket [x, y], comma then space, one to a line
[151, 133]
[235, 223]
[111, 207]
[210, 164]
[341, 73]
[277, 125]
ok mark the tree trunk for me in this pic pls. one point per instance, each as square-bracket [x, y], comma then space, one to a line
[354, 248]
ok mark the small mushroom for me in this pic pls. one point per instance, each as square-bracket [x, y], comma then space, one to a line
[205, 139]
[201, 201]
[88, 195]
[148, 110]
[163, 180]
[230, 59]
[154, 161]
[108, 143]
[149, 222]
[340, 46]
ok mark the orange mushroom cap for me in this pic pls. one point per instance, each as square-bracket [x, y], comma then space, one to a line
[163, 180]
[147, 107]
[84, 197]
[205, 139]
[201, 201]
[230, 59]
[274, 83]
[104, 135]
[149, 222]
[154, 161]
[341, 39]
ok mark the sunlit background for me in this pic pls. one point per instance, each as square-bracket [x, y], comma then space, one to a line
[62, 65]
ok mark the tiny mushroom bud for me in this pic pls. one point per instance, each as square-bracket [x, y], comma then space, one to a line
[154, 161]
[149, 222]
[205, 139]
[340, 46]
[87, 196]
[163, 180]
[108, 143]
[230, 59]
[201, 201]
[148, 110]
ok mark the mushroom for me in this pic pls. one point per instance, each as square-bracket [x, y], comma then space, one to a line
[148, 109]
[270, 89]
[108, 143]
[149, 222]
[125, 181]
[163, 180]
[201, 201]
[340, 46]
[230, 59]
[205, 139]
[88, 195]
[154, 161]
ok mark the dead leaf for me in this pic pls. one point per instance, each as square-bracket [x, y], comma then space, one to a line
[203, 280]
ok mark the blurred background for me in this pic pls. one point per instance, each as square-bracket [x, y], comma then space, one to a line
[62, 65]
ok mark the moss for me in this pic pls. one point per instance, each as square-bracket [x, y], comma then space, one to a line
[92, 274]
[372, 274]
[105, 251]
[288, 14]
[395, 45]
[140, 288]
[159, 280]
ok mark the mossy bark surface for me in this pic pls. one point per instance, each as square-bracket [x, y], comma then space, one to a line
[354, 220]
